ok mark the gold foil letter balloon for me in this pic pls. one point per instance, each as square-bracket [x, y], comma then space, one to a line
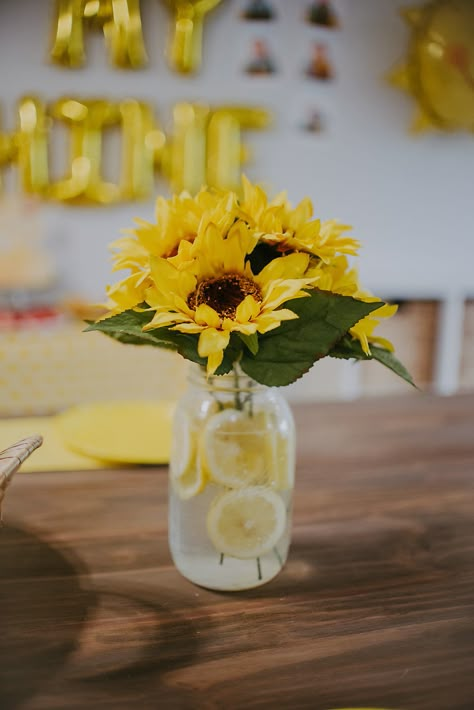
[205, 147]
[87, 120]
[27, 147]
[185, 51]
[120, 21]
[184, 160]
[225, 151]
[439, 71]
[143, 143]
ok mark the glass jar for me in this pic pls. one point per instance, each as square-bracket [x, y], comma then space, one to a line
[231, 481]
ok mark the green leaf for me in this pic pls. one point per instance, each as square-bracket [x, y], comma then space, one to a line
[350, 348]
[251, 341]
[232, 354]
[127, 327]
[290, 350]
[387, 358]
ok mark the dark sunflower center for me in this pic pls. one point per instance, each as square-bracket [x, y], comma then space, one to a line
[224, 293]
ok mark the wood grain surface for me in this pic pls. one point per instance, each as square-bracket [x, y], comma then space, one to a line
[375, 607]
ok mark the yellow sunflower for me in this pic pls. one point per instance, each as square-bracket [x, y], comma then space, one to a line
[176, 219]
[178, 222]
[337, 276]
[340, 277]
[218, 294]
[364, 329]
[291, 229]
[125, 294]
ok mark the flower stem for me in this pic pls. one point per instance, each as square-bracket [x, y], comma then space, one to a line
[237, 399]
[213, 394]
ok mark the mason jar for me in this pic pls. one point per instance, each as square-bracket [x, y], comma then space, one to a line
[232, 472]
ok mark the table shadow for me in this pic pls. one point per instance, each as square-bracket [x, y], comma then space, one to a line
[115, 643]
[151, 638]
[43, 609]
[368, 555]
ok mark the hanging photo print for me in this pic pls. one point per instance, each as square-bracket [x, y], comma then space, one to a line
[314, 122]
[258, 10]
[320, 66]
[322, 13]
[261, 61]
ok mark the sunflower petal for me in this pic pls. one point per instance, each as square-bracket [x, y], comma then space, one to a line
[269, 321]
[383, 342]
[212, 340]
[164, 319]
[246, 328]
[190, 327]
[213, 361]
[205, 315]
[284, 267]
[284, 290]
[212, 343]
[247, 310]
[127, 293]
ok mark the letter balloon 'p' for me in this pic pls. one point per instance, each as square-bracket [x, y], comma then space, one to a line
[120, 21]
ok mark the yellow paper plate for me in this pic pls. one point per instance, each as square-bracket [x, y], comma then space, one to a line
[119, 432]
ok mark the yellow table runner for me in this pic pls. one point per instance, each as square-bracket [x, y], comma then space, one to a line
[96, 435]
[53, 455]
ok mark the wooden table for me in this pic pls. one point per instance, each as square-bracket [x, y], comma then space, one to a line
[374, 608]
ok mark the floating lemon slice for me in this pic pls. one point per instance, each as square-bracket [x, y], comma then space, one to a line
[246, 523]
[188, 475]
[191, 482]
[238, 450]
[183, 447]
[284, 471]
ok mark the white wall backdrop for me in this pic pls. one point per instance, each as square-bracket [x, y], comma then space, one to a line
[411, 200]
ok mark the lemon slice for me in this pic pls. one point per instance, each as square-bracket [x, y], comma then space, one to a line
[284, 472]
[191, 482]
[238, 450]
[183, 446]
[246, 523]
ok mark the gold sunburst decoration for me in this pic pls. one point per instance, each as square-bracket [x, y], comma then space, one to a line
[439, 70]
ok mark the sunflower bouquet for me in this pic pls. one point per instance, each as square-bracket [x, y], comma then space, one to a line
[247, 282]
[255, 292]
